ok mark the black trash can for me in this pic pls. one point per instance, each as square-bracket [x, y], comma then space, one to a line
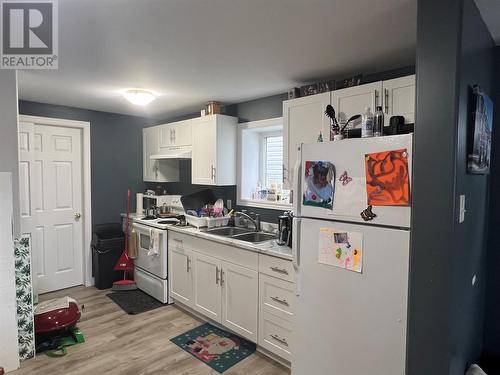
[108, 243]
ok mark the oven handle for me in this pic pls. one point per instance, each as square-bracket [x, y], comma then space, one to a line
[145, 229]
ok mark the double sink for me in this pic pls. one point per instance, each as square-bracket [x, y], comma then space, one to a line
[242, 234]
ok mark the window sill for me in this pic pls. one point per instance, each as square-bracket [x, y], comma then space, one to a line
[264, 204]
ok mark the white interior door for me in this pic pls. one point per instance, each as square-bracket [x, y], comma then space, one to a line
[50, 174]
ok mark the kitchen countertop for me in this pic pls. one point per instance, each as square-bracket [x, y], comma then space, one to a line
[269, 248]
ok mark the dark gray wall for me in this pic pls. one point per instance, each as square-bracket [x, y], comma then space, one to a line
[492, 323]
[9, 154]
[470, 238]
[454, 51]
[116, 153]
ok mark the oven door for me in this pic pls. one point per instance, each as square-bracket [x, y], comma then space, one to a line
[155, 264]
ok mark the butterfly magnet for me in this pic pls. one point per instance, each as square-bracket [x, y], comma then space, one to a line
[344, 178]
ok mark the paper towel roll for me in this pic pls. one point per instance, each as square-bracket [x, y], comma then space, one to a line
[138, 204]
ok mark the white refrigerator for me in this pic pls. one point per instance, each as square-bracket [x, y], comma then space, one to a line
[352, 274]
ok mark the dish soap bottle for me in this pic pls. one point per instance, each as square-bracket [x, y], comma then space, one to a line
[367, 123]
[378, 122]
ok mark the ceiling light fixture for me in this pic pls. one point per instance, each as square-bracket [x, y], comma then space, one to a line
[139, 96]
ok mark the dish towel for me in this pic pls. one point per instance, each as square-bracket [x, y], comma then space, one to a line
[132, 244]
[154, 242]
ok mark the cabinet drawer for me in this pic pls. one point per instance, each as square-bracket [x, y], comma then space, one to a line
[276, 267]
[276, 296]
[275, 335]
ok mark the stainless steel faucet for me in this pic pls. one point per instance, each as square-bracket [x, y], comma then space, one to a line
[255, 222]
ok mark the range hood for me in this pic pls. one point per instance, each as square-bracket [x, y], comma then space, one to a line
[173, 153]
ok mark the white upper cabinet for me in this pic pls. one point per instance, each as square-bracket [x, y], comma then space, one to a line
[156, 170]
[353, 100]
[399, 98]
[214, 150]
[175, 134]
[303, 120]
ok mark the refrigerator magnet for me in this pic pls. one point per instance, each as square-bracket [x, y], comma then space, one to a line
[319, 185]
[387, 178]
[341, 249]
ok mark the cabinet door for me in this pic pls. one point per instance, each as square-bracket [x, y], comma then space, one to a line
[303, 120]
[175, 134]
[180, 273]
[166, 135]
[399, 98]
[182, 133]
[240, 300]
[207, 290]
[353, 100]
[149, 167]
[204, 155]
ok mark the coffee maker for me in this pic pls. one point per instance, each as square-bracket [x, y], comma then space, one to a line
[284, 234]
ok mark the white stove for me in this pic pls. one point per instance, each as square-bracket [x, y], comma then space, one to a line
[172, 201]
[151, 264]
[157, 223]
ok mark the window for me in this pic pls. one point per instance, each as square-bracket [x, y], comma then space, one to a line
[260, 172]
[273, 160]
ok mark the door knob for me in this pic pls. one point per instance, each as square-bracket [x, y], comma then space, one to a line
[78, 216]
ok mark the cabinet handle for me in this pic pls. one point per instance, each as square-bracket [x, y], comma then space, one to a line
[217, 275]
[175, 135]
[376, 99]
[279, 270]
[172, 135]
[279, 300]
[279, 339]
[188, 264]
[386, 101]
[221, 277]
[212, 172]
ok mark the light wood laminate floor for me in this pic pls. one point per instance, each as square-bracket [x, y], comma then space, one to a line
[117, 343]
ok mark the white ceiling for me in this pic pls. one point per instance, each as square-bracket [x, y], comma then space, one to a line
[193, 51]
[490, 11]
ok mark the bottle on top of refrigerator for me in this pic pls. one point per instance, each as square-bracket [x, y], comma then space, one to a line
[378, 122]
[367, 123]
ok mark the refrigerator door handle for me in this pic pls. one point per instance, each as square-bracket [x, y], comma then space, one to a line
[296, 252]
[296, 182]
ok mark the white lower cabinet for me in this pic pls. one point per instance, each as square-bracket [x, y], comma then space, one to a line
[276, 296]
[217, 281]
[207, 288]
[240, 300]
[275, 335]
[250, 294]
[180, 272]
[276, 305]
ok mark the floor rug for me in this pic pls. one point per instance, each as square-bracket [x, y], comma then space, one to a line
[134, 302]
[217, 348]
